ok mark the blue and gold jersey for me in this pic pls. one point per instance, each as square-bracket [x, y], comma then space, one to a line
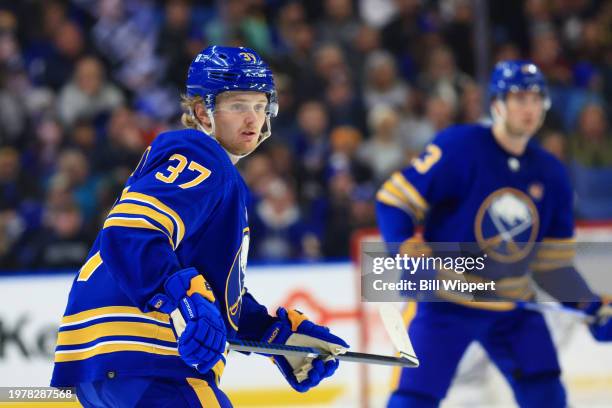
[183, 206]
[466, 188]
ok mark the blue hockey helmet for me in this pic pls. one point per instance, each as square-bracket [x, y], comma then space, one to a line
[518, 75]
[219, 69]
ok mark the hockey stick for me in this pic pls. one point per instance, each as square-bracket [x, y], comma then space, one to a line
[557, 308]
[393, 323]
[312, 352]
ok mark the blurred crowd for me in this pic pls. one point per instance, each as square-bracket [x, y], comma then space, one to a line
[364, 85]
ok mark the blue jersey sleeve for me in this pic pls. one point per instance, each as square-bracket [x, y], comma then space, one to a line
[437, 175]
[254, 319]
[171, 193]
[553, 262]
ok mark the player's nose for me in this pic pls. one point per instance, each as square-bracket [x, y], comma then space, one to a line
[250, 117]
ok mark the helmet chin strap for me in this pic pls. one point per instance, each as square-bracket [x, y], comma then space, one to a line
[233, 157]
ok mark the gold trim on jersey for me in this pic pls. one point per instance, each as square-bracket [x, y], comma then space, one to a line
[206, 395]
[392, 193]
[399, 192]
[218, 368]
[62, 356]
[90, 267]
[95, 331]
[409, 190]
[132, 195]
[112, 311]
[554, 253]
[137, 209]
[135, 223]
[387, 198]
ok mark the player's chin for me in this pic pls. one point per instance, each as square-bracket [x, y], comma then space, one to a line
[243, 148]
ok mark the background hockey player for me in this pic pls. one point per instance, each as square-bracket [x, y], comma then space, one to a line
[163, 286]
[495, 187]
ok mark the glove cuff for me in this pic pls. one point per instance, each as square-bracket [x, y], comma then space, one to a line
[183, 283]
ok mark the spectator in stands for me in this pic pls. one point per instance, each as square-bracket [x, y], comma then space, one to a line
[330, 65]
[401, 34]
[417, 132]
[13, 113]
[345, 144]
[172, 43]
[442, 78]
[124, 143]
[339, 24]
[73, 166]
[258, 172]
[364, 43]
[331, 215]
[344, 104]
[282, 160]
[546, 53]
[384, 151]
[42, 155]
[310, 146]
[459, 35]
[556, 143]
[278, 230]
[289, 16]
[507, 51]
[82, 136]
[363, 213]
[284, 122]
[89, 94]
[52, 61]
[62, 243]
[16, 187]
[242, 20]
[125, 36]
[12, 227]
[383, 86]
[296, 58]
[471, 104]
[592, 144]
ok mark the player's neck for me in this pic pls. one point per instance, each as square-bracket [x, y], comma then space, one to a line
[513, 144]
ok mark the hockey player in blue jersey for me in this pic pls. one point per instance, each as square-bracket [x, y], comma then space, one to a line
[162, 289]
[496, 187]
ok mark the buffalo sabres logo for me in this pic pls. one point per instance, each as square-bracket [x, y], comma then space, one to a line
[235, 281]
[507, 225]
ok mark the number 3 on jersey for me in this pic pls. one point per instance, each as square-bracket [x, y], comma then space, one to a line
[175, 170]
[431, 157]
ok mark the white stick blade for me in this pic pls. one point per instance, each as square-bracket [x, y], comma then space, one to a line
[394, 324]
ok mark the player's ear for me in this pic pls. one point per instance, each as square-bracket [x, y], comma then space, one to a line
[202, 116]
[498, 107]
[495, 106]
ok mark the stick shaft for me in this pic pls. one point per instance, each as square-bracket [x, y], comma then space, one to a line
[277, 349]
[546, 307]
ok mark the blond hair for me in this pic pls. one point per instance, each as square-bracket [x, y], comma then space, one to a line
[188, 103]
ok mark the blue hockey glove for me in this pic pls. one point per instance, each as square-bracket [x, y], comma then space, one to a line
[197, 322]
[293, 328]
[601, 329]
